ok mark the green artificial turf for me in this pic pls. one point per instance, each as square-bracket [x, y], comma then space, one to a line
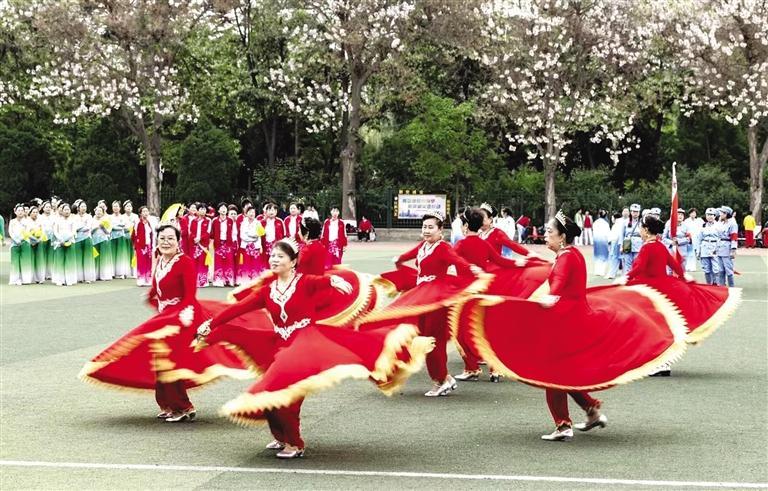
[708, 422]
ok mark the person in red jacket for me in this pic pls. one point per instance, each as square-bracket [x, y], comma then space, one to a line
[364, 229]
[293, 221]
[224, 235]
[314, 255]
[199, 240]
[274, 230]
[335, 237]
[143, 239]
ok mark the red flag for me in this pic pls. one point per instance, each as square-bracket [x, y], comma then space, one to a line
[673, 214]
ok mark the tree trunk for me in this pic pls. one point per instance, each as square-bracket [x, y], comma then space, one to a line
[151, 145]
[757, 163]
[350, 151]
[296, 139]
[270, 137]
[550, 171]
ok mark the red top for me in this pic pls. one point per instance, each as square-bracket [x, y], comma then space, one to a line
[433, 261]
[342, 234]
[365, 225]
[231, 233]
[291, 308]
[652, 262]
[295, 222]
[142, 234]
[184, 228]
[173, 284]
[199, 227]
[523, 221]
[279, 230]
[312, 258]
[480, 253]
[568, 278]
[497, 239]
[587, 221]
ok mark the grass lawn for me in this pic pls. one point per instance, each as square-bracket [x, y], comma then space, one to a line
[706, 424]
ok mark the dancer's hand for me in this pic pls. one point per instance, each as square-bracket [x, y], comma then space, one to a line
[341, 284]
[204, 329]
[476, 270]
[520, 262]
[548, 301]
[688, 278]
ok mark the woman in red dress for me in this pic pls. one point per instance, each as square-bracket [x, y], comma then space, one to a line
[428, 291]
[157, 354]
[519, 278]
[314, 255]
[495, 236]
[704, 307]
[298, 356]
[582, 341]
[199, 240]
[225, 246]
[334, 237]
[142, 238]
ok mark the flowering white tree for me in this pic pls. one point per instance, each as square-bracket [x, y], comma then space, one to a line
[562, 66]
[722, 48]
[334, 48]
[112, 56]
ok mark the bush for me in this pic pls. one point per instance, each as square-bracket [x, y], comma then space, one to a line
[209, 165]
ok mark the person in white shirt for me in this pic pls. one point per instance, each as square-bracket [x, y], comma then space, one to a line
[693, 224]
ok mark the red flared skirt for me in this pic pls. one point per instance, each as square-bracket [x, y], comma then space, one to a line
[619, 334]
[161, 350]
[704, 307]
[318, 357]
[417, 300]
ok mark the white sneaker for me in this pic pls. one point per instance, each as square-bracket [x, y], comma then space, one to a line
[442, 389]
[188, 415]
[564, 435]
[600, 421]
[467, 376]
[275, 445]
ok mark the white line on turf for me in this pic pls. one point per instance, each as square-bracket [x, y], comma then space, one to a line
[422, 475]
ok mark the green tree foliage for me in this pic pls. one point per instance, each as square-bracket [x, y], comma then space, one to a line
[102, 163]
[440, 149]
[209, 164]
[27, 159]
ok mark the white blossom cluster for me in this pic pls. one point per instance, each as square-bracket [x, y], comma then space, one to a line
[722, 45]
[331, 45]
[104, 59]
[562, 66]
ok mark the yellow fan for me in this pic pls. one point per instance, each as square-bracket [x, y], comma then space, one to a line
[260, 229]
[133, 262]
[171, 212]
[95, 252]
[208, 258]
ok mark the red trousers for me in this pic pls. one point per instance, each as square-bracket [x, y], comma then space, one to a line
[464, 338]
[435, 324]
[557, 400]
[172, 397]
[749, 238]
[285, 424]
